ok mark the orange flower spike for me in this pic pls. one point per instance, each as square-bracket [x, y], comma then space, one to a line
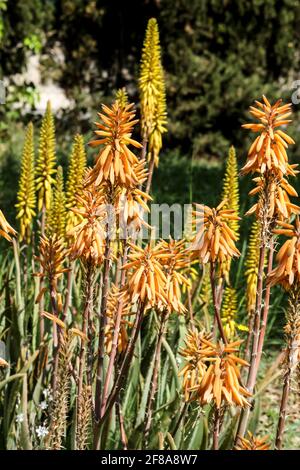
[288, 257]
[221, 381]
[115, 161]
[147, 281]
[88, 236]
[214, 240]
[174, 257]
[268, 151]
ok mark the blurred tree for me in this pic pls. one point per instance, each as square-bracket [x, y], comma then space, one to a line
[218, 56]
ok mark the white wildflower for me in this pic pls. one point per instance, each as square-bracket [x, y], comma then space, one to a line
[41, 431]
[20, 418]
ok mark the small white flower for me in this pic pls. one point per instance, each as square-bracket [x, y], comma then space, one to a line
[43, 405]
[41, 431]
[20, 418]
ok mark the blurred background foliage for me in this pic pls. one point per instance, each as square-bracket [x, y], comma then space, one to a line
[218, 56]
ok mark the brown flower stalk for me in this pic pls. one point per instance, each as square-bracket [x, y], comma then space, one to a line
[287, 273]
[267, 157]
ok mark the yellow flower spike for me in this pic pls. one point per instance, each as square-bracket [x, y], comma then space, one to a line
[45, 167]
[26, 199]
[251, 265]
[231, 189]
[57, 219]
[152, 92]
[231, 196]
[5, 228]
[74, 185]
[122, 97]
[229, 312]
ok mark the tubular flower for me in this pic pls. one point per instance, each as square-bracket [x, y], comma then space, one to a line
[122, 97]
[58, 213]
[279, 204]
[287, 270]
[229, 313]
[147, 281]
[74, 186]
[45, 166]
[214, 241]
[115, 161]
[231, 189]
[88, 236]
[195, 368]
[268, 150]
[152, 92]
[5, 228]
[253, 443]
[132, 203]
[174, 264]
[251, 265]
[26, 199]
[222, 379]
[52, 255]
[114, 297]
